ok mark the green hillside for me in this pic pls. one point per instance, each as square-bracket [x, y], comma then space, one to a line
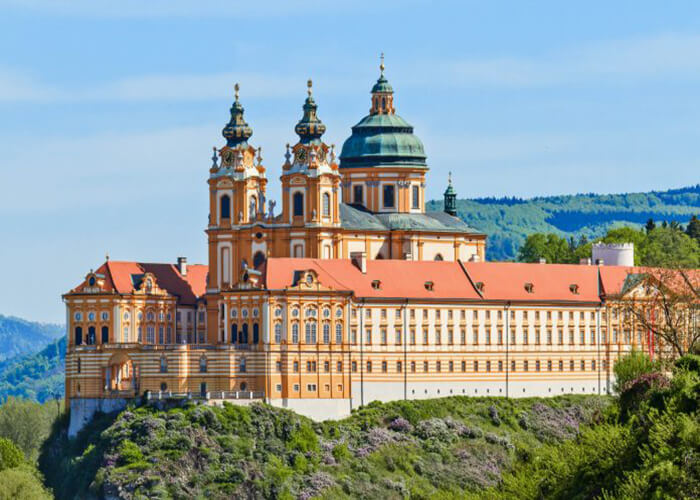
[19, 337]
[508, 221]
[37, 376]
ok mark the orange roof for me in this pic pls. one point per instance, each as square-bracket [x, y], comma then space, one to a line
[397, 278]
[124, 277]
[535, 282]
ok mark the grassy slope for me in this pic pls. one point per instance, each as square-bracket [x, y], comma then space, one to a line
[38, 376]
[508, 221]
[444, 448]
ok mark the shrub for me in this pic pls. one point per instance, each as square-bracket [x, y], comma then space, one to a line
[21, 483]
[631, 367]
[689, 362]
[10, 455]
[129, 453]
[493, 413]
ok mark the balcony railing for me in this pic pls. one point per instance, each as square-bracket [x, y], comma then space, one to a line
[224, 395]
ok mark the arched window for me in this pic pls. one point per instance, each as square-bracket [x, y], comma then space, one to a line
[91, 335]
[105, 335]
[326, 333]
[295, 333]
[311, 332]
[78, 335]
[326, 205]
[225, 204]
[278, 333]
[241, 365]
[256, 333]
[258, 259]
[79, 367]
[338, 333]
[298, 202]
[244, 334]
[439, 258]
[234, 333]
[163, 364]
[203, 365]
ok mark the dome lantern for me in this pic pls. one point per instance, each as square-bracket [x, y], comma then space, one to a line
[310, 128]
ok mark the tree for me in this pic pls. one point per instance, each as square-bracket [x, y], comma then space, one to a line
[26, 423]
[693, 229]
[545, 246]
[667, 247]
[650, 226]
[666, 303]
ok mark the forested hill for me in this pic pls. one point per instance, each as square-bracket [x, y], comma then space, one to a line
[508, 221]
[20, 337]
[37, 376]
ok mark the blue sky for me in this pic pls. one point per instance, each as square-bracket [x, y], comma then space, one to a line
[109, 110]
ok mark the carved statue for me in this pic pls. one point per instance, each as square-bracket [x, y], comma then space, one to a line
[313, 214]
[251, 209]
[271, 204]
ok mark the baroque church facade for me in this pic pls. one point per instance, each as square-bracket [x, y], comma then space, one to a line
[353, 292]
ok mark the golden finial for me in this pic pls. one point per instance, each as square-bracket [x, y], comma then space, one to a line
[236, 88]
[381, 64]
[449, 177]
[309, 84]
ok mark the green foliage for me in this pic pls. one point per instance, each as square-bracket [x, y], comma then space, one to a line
[660, 246]
[433, 448]
[630, 367]
[39, 376]
[21, 483]
[508, 221]
[28, 423]
[19, 337]
[10, 455]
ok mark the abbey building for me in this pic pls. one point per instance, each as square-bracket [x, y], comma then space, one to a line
[343, 292]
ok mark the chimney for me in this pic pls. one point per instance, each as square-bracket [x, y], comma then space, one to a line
[543, 260]
[182, 265]
[359, 260]
[407, 256]
[585, 262]
[600, 262]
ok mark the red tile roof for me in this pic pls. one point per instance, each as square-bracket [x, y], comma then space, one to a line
[124, 276]
[397, 278]
[549, 282]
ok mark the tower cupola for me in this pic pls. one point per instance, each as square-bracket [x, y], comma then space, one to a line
[450, 197]
[382, 95]
[237, 131]
[310, 128]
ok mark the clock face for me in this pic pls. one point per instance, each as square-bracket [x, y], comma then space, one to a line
[301, 155]
[228, 157]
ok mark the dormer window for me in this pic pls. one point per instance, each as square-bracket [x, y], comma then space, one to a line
[529, 287]
[376, 284]
[92, 281]
[309, 279]
[574, 288]
[479, 286]
[429, 286]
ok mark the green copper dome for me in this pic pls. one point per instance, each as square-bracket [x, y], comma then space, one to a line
[382, 138]
[237, 132]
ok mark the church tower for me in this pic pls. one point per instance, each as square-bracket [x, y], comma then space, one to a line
[236, 200]
[310, 187]
[383, 163]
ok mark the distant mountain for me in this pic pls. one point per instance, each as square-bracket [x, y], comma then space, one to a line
[508, 221]
[19, 337]
[37, 376]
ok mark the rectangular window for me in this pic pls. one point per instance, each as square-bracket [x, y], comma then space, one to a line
[463, 336]
[296, 367]
[339, 366]
[425, 366]
[278, 387]
[475, 336]
[583, 366]
[525, 366]
[476, 366]
[383, 335]
[413, 366]
[399, 367]
[368, 336]
[413, 336]
[415, 198]
[488, 366]
[537, 365]
[357, 194]
[425, 335]
[451, 366]
[500, 366]
[398, 336]
[326, 366]
[311, 387]
[278, 366]
[369, 367]
[450, 336]
[438, 337]
[549, 365]
[388, 196]
[353, 366]
[438, 366]
[385, 367]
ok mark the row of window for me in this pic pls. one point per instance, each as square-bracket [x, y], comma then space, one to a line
[310, 333]
[388, 195]
[451, 366]
[488, 313]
